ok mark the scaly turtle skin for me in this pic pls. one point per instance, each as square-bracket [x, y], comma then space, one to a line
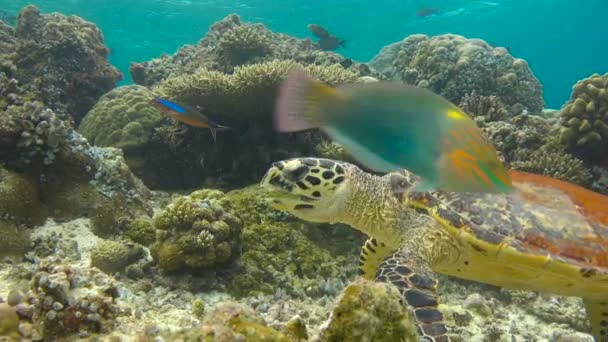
[546, 235]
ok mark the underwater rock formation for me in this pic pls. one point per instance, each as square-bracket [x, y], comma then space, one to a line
[283, 254]
[369, 311]
[453, 66]
[196, 232]
[61, 58]
[584, 119]
[230, 43]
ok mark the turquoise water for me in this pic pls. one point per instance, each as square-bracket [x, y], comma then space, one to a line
[560, 39]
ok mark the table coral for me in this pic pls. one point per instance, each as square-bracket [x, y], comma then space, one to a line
[584, 119]
[452, 65]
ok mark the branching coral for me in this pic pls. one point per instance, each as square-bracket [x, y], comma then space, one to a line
[453, 66]
[42, 132]
[484, 108]
[196, 232]
[584, 119]
[553, 164]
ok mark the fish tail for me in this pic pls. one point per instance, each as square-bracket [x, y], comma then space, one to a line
[299, 104]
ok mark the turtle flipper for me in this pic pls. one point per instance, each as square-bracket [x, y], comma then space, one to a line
[418, 287]
[597, 311]
[372, 254]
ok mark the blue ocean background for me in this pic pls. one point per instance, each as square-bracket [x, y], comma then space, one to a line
[562, 40]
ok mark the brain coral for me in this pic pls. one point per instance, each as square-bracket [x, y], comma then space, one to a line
[584, 119]
[453, 66]
[64, 58]
[124, 118]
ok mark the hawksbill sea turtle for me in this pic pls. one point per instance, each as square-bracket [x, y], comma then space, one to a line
[545, 235]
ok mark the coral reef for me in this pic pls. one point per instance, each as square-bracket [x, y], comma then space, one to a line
[281, 254]
[453, 66]
[196, 232]
[230, 43]
[368, 311]
[63, 59]
[584, 119]
[124, 118]
[254, 86]
[484, 108]
[553, 164]
[114, 256]
[174, 155]
[519, 132]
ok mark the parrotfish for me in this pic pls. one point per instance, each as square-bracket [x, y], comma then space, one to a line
[188, 115]
[389, 125]
[326, 42]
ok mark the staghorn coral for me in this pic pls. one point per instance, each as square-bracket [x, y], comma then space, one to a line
[64, 59]
[584, 119]
[553, 164]
[124, 118]
[453, 66]
[369, 311]
[196, 232]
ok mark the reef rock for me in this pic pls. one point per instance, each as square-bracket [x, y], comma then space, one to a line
[63, 58]
[453, 66]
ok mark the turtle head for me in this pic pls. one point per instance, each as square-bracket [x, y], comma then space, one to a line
[312, 189]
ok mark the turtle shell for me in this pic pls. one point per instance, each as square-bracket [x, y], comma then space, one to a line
[540, 216]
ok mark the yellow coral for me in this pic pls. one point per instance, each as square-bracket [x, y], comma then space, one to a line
[584, 119]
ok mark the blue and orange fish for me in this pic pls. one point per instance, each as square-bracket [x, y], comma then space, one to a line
[390, 125]
[188, 115]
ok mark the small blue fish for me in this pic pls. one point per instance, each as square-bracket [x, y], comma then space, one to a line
[188, 115]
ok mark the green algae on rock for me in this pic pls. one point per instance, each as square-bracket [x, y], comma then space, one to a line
[114, 256]
[281, 253]
[369, 311]
[452, 65]
[584, 119]
[196, 232]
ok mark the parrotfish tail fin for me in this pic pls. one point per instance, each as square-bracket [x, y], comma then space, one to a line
[298, 105]
[342, 43]
[468, 161]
